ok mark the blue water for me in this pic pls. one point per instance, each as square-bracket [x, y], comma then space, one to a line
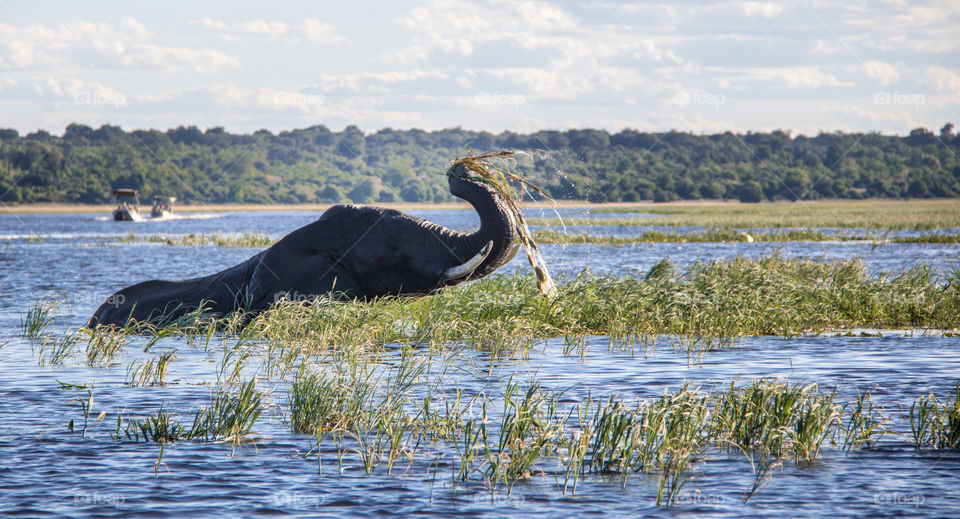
[45, 469]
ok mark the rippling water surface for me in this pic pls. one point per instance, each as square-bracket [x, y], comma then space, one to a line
[45, 469]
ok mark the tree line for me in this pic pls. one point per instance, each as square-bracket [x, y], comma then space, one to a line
[319, 165]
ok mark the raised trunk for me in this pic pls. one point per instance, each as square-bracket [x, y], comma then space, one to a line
[496, 224]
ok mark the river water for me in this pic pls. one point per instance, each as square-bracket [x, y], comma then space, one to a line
[48, 470]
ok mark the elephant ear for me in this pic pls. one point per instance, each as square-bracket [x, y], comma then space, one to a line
[302, 265]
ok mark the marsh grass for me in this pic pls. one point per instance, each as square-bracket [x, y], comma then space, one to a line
[245, 240]
[103, 344]
[56, 350]
[866, 214]
[509, 434]
[709, 306]
[230, 417]
[39, 317]
[934, 423]
[722, 235]
[151, 372]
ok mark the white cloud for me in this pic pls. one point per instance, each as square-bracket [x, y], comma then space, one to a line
[873, 119]
[209, 24]
[172, 59]
[884, 72]
[759, 9]
[471, 63]
[78, 91]
[800, 77]
[943, 80]
[84, 44]
[373, 82]
[264, 28]
[310, 29]
[320, 32]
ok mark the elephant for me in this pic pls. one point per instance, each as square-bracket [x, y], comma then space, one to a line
[351, 251]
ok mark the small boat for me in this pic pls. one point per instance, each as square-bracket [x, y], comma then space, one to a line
[128, 205]
[162, 206]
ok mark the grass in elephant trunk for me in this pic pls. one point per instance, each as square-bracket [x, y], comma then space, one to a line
[499, 178]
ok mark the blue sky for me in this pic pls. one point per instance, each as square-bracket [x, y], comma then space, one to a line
[803, 66]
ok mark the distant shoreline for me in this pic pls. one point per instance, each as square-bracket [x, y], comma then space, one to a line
[52, 208]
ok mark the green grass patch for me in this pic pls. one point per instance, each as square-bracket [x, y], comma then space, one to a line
[719, 235]
[934, 423]
[710, 305]
[866, 214]
[245, 240]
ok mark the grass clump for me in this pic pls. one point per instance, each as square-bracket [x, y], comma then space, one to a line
[936, 424]
[38, 319]
[152, 372]
[229, 418]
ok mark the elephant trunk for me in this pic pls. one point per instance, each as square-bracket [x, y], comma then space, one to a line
[497, 225]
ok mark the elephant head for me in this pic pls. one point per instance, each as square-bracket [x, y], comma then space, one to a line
[350, 251]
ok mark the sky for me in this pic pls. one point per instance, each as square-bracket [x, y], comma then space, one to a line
[702, 67]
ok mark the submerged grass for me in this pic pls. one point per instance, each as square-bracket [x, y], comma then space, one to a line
[508, 434]
[38, 318]
[229, 418]
[936, 424]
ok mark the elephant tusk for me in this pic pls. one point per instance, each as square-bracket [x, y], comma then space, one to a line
[464, 270]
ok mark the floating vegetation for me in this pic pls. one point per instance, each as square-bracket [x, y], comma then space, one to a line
[245, 240]
[711, 235]
[866, 214]
[718, 235]
[499, 178]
